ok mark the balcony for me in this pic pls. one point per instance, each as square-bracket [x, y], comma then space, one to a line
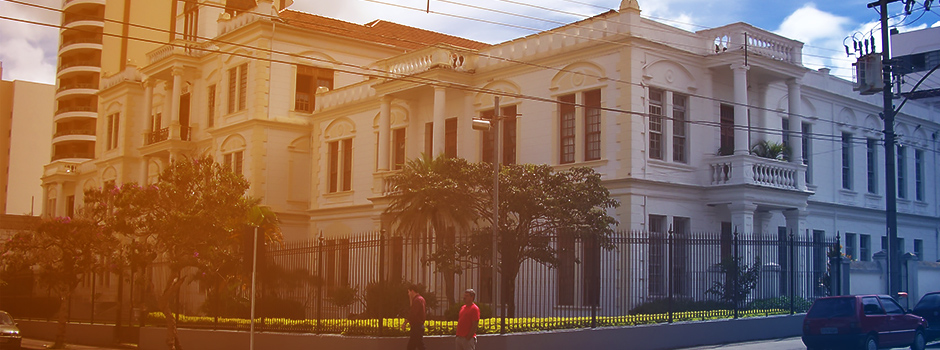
[73, 155]
[426, 59]
[752, 170]
[731, 39]
[157, 136]
[78, 43]
[181, 48]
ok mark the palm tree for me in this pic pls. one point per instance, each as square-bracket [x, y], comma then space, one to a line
[441, 194]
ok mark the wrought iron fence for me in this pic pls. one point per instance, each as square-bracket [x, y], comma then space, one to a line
[357, 284]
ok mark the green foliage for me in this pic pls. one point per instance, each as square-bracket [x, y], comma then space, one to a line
[771, 150]
[343, 296]
[391, 326]
[735, 290]
[661, 306]
[782, 302]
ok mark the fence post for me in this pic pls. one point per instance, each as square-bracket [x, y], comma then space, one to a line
[322, 282]
[835, 278]
[734, 269]
[671, 260]
[594, 279]
[792, 267]
[381, 276]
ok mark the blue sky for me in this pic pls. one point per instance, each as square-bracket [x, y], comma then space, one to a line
[28, 51]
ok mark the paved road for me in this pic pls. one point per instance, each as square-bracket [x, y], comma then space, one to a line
[775, 344]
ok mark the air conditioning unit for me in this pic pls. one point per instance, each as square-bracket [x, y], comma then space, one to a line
[868, 76]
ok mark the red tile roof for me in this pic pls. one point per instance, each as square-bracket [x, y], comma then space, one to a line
[405, 37]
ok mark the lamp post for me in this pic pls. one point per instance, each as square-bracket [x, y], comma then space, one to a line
[483, 125]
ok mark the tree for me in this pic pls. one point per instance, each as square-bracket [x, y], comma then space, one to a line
[443, 194]
[191, 219]
[60, 250]
[536, 204]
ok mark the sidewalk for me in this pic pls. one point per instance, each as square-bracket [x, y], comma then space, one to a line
[35, 344]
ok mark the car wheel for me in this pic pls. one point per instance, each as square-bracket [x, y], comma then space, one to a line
[919, 341]
[870, 343]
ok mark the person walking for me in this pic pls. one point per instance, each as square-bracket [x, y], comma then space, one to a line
[416, 316]
[467, 322]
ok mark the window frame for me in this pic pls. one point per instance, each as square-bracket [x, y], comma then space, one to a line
[314, 78]
[656, 146]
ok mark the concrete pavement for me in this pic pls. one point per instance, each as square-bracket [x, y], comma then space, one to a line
[36, 344]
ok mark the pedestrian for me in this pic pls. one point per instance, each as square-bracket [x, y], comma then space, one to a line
[416, 316]
[467, 322]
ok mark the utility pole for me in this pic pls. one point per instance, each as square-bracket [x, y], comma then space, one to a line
[891, 204]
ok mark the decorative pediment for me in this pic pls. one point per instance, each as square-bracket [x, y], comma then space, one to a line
[670, 75]
[577, 76]
[339, 128]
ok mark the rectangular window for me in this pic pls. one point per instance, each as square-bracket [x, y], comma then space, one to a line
[309, 79]
[450, 137]
[679, 256]
[785, 134]
[508, 130]
[919, 248]
[657, 145]
[113, 128]
[864, 247]
[846, 161]
[592, 125]
[70, 206]
[233, 161]
[429, 138]
[849, 250]
[590, 271]
[884, 243]
[566, 261]
[872, 147]
[237, 86]
[918, 175]
[902, 172]
[340, 167]
[567, 118]
[819, 257]
[783, 256]
[210, 111]
[807, 148]
[656, 266]
[679, 128]
[398, 148]
[726, 130]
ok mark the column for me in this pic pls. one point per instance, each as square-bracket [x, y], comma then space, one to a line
[60, 197]
[796, 220]
[437, 145]
[175, 103]
[148, 103]
[795, 141]
[742, 216]
[144, 171]
[740, 109]
[385, 129]
[762, 223]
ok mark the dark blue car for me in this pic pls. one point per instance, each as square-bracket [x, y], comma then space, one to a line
[929, 308]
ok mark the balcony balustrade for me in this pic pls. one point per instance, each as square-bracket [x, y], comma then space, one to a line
[731, 38]
[753, 170]
[157, 136]
[427, 59]
[180, 47]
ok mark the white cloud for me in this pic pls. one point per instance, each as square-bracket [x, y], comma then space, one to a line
[822, 34]
[29, 50]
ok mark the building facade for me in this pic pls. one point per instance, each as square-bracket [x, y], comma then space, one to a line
[25, 136]
[317, 112]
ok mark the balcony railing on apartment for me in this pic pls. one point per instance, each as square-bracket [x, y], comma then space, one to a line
[749, 169]
[157, 136]
[83, 155]
[77, 86]
[68, 109]
[81, 40]
[70, 64]
[74, 132]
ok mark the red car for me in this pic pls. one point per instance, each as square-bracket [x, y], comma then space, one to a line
[866, 322]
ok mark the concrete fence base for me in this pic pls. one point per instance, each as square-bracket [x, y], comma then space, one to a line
[646, 337]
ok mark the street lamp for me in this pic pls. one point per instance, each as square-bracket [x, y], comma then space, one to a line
[483, 125]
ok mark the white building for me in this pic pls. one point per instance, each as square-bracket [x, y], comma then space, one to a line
[316, 112]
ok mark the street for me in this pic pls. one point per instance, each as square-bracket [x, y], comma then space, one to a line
[793, 343]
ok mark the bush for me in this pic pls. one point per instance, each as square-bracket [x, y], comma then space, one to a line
[661, 306]
[783, 302]
[390, 299]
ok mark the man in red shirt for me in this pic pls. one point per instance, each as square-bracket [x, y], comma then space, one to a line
[467, 322]
[416, 316]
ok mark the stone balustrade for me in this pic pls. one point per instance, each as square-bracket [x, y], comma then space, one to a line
[180, 47]
[753, 170]
[731, 38]
[419, 61]
[347, 94]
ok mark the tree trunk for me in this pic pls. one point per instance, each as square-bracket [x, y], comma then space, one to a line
[169, 294]
[508, 295]
[63, 319]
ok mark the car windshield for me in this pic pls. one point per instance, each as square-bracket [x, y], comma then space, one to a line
[929, 301]
[5, 318]
[832, 307]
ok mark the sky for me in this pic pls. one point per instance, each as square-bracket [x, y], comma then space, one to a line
[28, 51]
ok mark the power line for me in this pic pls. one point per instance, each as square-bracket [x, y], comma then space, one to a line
[420, 80]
